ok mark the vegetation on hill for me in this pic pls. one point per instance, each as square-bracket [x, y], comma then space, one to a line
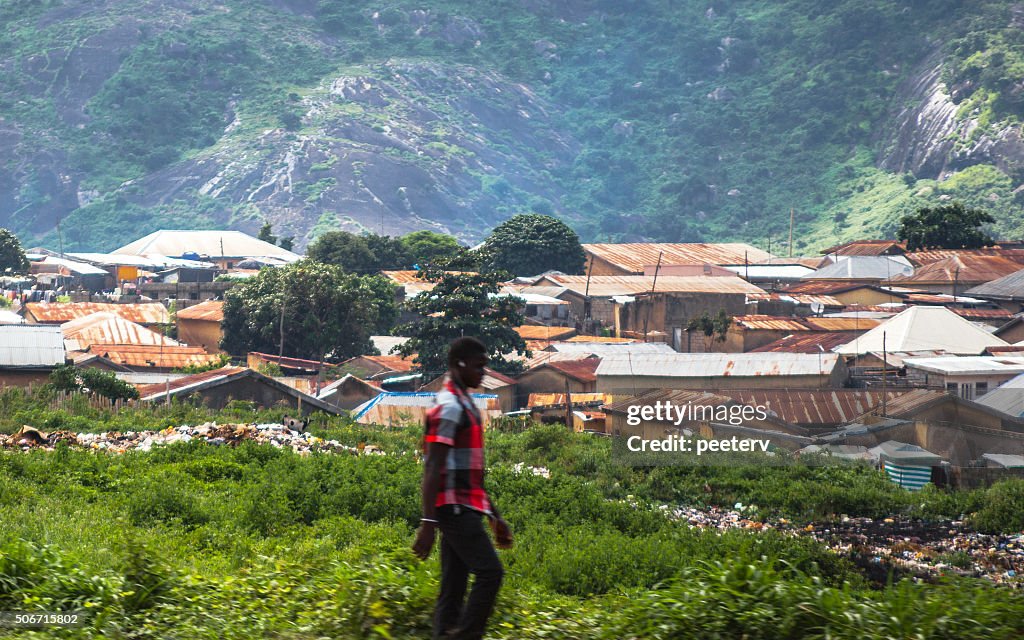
[689, 121]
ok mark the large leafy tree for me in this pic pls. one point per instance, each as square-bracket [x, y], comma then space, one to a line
[462, 304]
[427, 247]
[528, 244]
[950, 226]
[359, 254]
[12, 256]
[327, 314]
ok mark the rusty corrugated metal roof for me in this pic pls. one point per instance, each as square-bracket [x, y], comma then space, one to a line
[108, 328]
[580, 370]
[824, 287]
[61, 312]
[841, 324]
[532, 332]
[814, 407]
[967, 269]
[808, 342]
[769, 323]
[211, 310]
[412, 277]
[799, 298]
[392, 363]
[601, 339]
[867, 248]
[908, 403]
[633, 257]
[921, 258]
[713, 365]
[984, 314]
[168, 356]
[607, 286]
[555, 399]
[186, 381]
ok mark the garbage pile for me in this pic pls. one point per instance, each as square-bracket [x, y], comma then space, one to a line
[277, 435]
[927, 550]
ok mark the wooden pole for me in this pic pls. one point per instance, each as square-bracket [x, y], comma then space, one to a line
[792, 214]
[568, 406]
[654, 283]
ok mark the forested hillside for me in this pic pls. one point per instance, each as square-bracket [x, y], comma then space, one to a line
[652, 119]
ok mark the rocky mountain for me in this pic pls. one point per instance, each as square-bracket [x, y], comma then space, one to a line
[650, 119]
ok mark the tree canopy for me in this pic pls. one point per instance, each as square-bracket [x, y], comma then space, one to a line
[328, 314]
[462, 304]
[950, 226]
[359, 254]
[528, 244]
[12, 256]
[427, 247]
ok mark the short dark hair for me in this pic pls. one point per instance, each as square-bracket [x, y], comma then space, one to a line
[463, 348]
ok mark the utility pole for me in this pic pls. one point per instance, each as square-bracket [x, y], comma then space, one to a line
[885, 358]
[280, 348]
[654, 283]
[792, 214]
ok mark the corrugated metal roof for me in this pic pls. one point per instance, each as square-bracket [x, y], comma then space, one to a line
[966, 269]
[555, 399]
[150, 390]
[921, 258]
[607, 286]
[984, 314]
[598, 349]
[393, 409]
[813, 407]
[540, 357]
[710, 365]
[210, 310]
[866, 248]
[908, 403]
[61, 312]
[63, 266]
[841, 324]
[863, 268]
[919, 328]
[392, 362]
[823, 287]
[808, 342]
[602, 339]
[771, 271]
[150, 262]
[1009, 287]
[168, 356]
[531, 332]
[108, 328]
[216, 244]
[968, 365]
[580, 370]
[799, 298]
[769, 323]
[633, 257]
[26, 345]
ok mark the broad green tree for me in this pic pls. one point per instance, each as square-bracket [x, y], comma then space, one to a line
[427, 247]
[462, 304]
[327, 314]
[359, 254]
[528, 244]
[12, 256]
[950, 226]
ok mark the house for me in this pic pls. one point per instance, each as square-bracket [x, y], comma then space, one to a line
[814, 409]
[928, 256]
[621, 375]
[633, 258]
[29, 353]
[907, 465]
[1007, 291]
[748, 332]
[219, 387]
[770, 277]
[959, 273]
[349, 392]
[288, 366]
[200, 325]
[808, 342]
[493, 383]
[126, 270]
[224, 248]
[969, 377]
[166, 357]
[558, 376]
[544, 333]
[923, 328]
[373, 367]
[791, 304]
[867, 248]
[149, 314]
[392, 409]
[848, 293]
[551, 407]
[53, 271]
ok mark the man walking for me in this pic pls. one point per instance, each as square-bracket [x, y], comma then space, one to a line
[455, 501]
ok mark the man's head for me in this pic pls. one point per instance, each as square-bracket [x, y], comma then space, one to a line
[467, 358]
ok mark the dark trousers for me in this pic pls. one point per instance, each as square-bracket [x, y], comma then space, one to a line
[465, 548]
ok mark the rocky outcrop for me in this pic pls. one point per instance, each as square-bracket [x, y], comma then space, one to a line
[404, 146]
[930, 139]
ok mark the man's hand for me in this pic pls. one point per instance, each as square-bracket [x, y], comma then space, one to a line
[502, 533]
[424, 540]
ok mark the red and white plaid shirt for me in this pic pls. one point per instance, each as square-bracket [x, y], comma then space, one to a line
[455, 421]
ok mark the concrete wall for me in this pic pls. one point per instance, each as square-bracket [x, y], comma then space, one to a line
[200, 333]
[249, 389]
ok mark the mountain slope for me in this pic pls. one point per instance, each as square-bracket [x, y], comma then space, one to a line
[643, 120]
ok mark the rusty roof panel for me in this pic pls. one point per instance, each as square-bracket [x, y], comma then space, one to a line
[806, 299]
[769, 323]
[168, 356]
[580, 370]
[211, 310]
[187, 381]
[921, 258]
[712, 365]
[537, 400]
[867, 248]
[108, 328]
[823, 287]
[908, 403]
[984, 314]
[814, 407]
[841, 324]
[964, 268]
[808, 342]
[633, 257]
[61, 312]
[607, 286]
[532, 332]
[602, 339]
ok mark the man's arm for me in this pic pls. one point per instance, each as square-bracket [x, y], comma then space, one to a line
[436, 455]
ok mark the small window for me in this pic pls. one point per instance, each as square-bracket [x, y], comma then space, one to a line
[980, 388]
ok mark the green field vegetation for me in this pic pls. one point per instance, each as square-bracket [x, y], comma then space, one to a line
[198, 541]
[696, 120]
